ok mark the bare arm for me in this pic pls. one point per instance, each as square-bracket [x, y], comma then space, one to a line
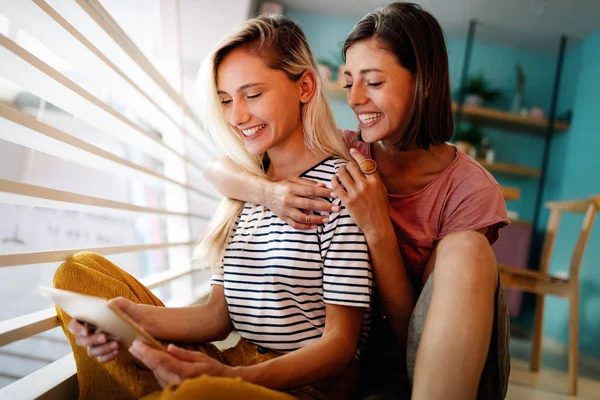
[202, 323]
[393, 284]
[235, 183]
[195, 324]
[286, 198]
[327, 356]
[365, 197]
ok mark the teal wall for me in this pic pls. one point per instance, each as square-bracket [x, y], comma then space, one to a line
[326, 37]
[580, 157]
[497, 63]
[574, 162]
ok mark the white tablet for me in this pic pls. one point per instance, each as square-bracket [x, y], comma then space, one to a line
[107, 318]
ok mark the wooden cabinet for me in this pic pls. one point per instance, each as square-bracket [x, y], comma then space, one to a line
[512, 248]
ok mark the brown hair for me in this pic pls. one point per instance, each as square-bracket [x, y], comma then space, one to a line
[417, 40]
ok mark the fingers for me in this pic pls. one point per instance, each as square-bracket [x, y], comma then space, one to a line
[338, 190]
[297, 225]
[346, 180]
[108, 357]
[166, 368]
[357, 175]
[103, 350]
[121, 303]
[152, 358]
[302, 218]
[309, 188]
[357, 155]
[185, 355]
[91, 340]
[77, 328]
[304, 203]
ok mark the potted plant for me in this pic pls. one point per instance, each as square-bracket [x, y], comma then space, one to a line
[477, 91]
[468, 138]
[518, 98]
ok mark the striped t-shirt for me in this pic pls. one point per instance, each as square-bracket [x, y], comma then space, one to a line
[278, 280]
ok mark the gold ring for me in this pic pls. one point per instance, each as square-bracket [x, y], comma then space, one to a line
[307, 219]
[368, 166]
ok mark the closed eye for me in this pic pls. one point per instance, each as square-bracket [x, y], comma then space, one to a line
[374, 84]
[225, 102]
[254, 96]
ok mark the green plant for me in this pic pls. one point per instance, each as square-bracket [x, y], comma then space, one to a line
[472, 134]
[479, 86]
[520, 78]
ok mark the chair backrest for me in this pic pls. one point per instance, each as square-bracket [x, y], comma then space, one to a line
[589, 207]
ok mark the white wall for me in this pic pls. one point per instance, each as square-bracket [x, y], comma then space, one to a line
[203, 24]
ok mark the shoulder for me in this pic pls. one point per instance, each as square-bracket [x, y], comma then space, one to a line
[473, 200]
[349, 135]
[467, 177]
[324, 171]
[351, 138]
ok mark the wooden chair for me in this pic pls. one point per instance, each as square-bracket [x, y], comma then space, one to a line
[542, 283]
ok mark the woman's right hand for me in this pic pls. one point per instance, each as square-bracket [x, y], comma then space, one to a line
[100, 344]
[292, 200]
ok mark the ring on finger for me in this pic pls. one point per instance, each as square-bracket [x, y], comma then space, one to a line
[368, 166]
[307, 221]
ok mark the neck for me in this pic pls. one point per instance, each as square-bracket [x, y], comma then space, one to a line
[414, 161]
[291, 157]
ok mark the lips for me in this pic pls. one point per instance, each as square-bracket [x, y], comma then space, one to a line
[253, 131]
[367, 118]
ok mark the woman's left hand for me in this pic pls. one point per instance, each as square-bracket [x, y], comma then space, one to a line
[176, 364]
[365, 196]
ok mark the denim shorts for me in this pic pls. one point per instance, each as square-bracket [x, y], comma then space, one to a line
[386, 374]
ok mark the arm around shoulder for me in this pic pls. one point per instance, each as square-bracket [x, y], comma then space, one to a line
[233, 182]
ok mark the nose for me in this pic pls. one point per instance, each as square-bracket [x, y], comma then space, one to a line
[239, 113]
[357, 96]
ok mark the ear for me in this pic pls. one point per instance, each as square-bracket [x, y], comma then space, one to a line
[307, 85]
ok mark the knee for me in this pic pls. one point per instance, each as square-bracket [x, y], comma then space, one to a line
[469, 255]
[70, 270]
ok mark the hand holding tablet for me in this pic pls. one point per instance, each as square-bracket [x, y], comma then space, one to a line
[100, 313]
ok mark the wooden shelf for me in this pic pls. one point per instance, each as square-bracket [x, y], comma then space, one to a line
[511, 169]
[506, 120]
[510, 193]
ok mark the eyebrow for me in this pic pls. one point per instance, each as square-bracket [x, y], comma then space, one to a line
[364, 71]
[242, 88]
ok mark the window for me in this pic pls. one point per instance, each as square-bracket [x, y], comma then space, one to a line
[99, 151]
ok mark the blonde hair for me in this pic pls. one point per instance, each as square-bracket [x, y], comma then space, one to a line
[283, 46]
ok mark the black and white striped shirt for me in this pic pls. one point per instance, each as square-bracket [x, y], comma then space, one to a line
[278, 280]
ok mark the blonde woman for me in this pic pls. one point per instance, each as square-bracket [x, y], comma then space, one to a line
[299, 299]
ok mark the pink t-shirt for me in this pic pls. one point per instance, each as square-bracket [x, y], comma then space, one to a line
[464, 197]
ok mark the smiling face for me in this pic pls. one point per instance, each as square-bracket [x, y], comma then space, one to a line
[380, 91]
[261, 104]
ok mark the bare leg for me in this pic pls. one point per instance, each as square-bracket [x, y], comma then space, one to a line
[456, 337]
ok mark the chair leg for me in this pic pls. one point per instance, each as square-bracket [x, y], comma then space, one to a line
[536, 340]
[573, 341]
